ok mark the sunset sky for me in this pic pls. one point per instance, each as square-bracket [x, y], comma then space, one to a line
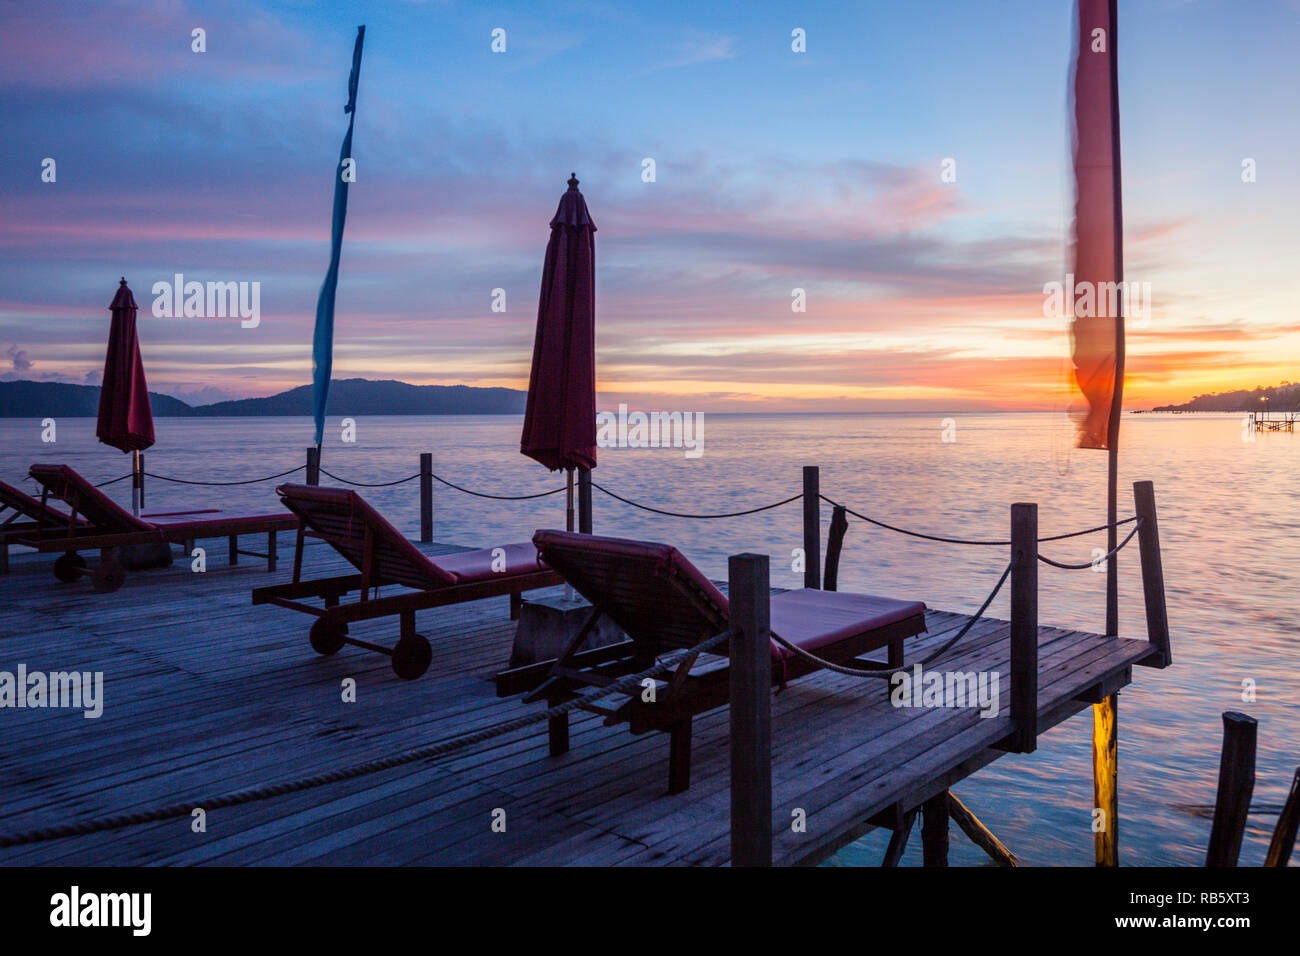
[775, 170]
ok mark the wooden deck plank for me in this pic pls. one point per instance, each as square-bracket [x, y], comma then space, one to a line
[205, 694]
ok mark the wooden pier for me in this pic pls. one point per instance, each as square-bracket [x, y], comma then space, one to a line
[205, 694]
[1264, 421]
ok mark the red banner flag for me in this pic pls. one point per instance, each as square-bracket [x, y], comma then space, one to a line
[1095, 295]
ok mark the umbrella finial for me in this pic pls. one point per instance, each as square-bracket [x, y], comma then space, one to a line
[123, 282]
[573, 180]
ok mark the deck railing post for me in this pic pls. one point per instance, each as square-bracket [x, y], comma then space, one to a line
[426, 497]
[1236, 785]
[584, 500]
[1024, 625]
[313, 465]
[750, 675]
[1153, 575]
[812, 527]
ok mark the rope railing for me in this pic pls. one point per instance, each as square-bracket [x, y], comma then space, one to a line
[370, 484]
[1097, 561]
[113, 481]
[946, 540]
[221, 484]
[440, 748]
[481, 494]
[885, 671]
[680, 514]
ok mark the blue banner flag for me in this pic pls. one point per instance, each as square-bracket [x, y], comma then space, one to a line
[322, 347]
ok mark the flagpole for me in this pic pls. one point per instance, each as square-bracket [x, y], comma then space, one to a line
[1117, 401]
[1105, 713]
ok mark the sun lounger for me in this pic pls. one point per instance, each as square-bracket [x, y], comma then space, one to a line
[385, 557]
[21, 516]
[98, 522]
[664, 603]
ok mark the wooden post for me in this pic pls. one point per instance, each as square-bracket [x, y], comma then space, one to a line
[834, 544]
[1105, 780]
[979, 834]
[1288, 821]
[751, 710]
[1024, 625]
[139, 476]
[934, 831]
[812, 527]
[584, 500]
[898, 841]
[1153, 575]
[426, 497]
[1236, 785]
[313, 465]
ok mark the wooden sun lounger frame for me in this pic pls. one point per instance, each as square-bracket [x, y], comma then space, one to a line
[109, 574]
[412, 653]
[683, 693]
[16, 531]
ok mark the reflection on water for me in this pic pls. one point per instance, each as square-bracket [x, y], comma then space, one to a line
[1229, 523]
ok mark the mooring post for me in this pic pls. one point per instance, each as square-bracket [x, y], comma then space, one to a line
[584, 500]
[1288, 822]
[313, 465]
[751, 710]
[1236, 785]
[1024, 625]
[426, 497]
[834, 544]
[934, 831]
[812, 527]
[1153, 575]
[1105, 781]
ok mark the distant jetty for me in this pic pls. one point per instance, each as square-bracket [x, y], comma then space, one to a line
[352, 396]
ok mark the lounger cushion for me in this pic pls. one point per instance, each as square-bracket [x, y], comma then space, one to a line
[209, 523]
[813, 619]
[655, 594]
[108, 516]
[341, 517]
[649, 590]
[470, 566]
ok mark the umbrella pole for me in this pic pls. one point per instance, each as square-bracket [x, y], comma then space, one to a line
[568, 515]
[568, 524]
[135, 482]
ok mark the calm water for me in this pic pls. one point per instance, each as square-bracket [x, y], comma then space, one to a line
[1229, 520]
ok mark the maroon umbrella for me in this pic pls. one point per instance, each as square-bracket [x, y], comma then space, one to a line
[560, 419]
[125, 418]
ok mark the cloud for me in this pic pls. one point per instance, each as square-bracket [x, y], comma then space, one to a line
[699, 47]
[18, 357]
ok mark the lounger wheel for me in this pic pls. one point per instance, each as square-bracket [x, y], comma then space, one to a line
[68, 566]
[327, 638]
[411, 657]
[108, 577]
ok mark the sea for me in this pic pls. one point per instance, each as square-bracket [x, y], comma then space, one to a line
[1229, 517]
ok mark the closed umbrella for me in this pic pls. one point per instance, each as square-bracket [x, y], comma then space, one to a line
[560, 418]
[125, 416]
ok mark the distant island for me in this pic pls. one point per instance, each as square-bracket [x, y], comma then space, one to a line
[1279, 398]
[349, 396]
